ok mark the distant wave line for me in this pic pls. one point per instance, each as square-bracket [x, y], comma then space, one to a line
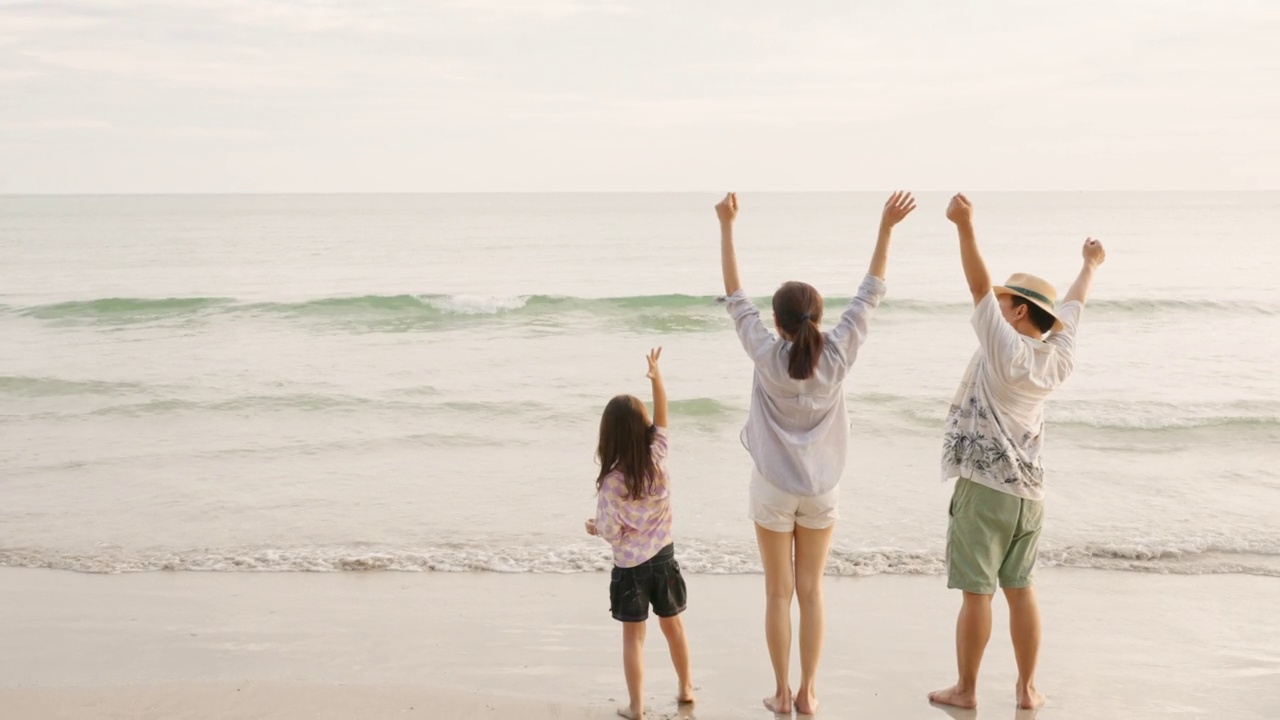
[139, 399]
[463, 307]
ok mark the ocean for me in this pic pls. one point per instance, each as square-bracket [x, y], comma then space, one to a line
[414, 382]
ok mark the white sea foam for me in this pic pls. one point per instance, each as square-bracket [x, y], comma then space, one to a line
[475, 304]
[723, 558]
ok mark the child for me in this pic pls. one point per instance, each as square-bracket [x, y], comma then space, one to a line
[633, 513]
[798, 433]
[994, 437]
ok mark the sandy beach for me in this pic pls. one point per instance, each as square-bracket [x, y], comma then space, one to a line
[465, 645]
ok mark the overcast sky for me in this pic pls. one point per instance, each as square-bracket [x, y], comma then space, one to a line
[567, 95]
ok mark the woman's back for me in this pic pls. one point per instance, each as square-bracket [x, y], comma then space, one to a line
[797, 430]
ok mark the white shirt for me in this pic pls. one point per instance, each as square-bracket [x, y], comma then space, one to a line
[798, 430]
[995, 427]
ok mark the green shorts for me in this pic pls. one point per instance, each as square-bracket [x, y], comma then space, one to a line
[992, 536]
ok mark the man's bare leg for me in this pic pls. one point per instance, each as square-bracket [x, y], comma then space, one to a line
[1024, 628]
[973, 630]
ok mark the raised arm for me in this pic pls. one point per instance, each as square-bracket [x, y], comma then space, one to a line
[960, 212]
[1094, 255]
[727, 211]
[898, 206]
[659, 389]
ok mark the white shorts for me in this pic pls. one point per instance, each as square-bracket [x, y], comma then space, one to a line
[780, 511]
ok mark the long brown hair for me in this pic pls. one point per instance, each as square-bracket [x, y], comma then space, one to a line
[625, 438]
[797, 308]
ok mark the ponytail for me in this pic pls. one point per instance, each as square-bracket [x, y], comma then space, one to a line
[805, 351]
[797, 308]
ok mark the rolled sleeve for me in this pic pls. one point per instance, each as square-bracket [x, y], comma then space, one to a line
[999, 341]
[609, 525]
[851, 331]
[752, 333]
[1069, 313]
[661, 445]
[1064, 340]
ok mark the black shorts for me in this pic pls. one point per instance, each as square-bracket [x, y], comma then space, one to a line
[656, 581]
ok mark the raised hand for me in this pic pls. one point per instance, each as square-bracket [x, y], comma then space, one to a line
[1094, 253]
[659, 389]
[960, 210]
[727, 209]
[898, 206]
[654, 373]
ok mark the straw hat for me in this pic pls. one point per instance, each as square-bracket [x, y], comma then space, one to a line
[1034, 290]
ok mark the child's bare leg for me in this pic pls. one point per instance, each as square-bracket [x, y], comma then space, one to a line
[678, 644]
[633, 667]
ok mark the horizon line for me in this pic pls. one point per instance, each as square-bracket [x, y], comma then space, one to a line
[252, 193]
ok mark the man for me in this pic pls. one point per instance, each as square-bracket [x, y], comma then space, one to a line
[994, 436]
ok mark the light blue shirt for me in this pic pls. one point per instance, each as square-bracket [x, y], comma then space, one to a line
[798, 430]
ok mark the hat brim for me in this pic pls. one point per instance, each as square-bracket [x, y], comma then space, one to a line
[1057, 323]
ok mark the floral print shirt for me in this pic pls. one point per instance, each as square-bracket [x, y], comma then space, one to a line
[995, 426]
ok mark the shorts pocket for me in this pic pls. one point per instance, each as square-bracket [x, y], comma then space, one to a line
[954, 508]
[1032, 516]
[615, 589]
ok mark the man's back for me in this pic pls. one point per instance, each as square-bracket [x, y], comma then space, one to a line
[995, 426]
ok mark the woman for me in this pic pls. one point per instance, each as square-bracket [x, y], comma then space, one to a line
[797, 434]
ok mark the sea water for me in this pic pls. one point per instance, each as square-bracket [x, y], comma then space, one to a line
[414, 382]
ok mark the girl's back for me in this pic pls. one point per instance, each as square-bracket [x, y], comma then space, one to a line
[636, 527]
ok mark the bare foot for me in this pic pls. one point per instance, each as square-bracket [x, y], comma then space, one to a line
[1029, 698]
[631, 714]
[955, 697]
[779, 704]
[806, 705]
[685, 696]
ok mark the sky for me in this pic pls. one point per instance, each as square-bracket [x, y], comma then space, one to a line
[247, 96]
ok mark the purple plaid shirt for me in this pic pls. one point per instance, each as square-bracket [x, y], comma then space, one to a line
[636, 529]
